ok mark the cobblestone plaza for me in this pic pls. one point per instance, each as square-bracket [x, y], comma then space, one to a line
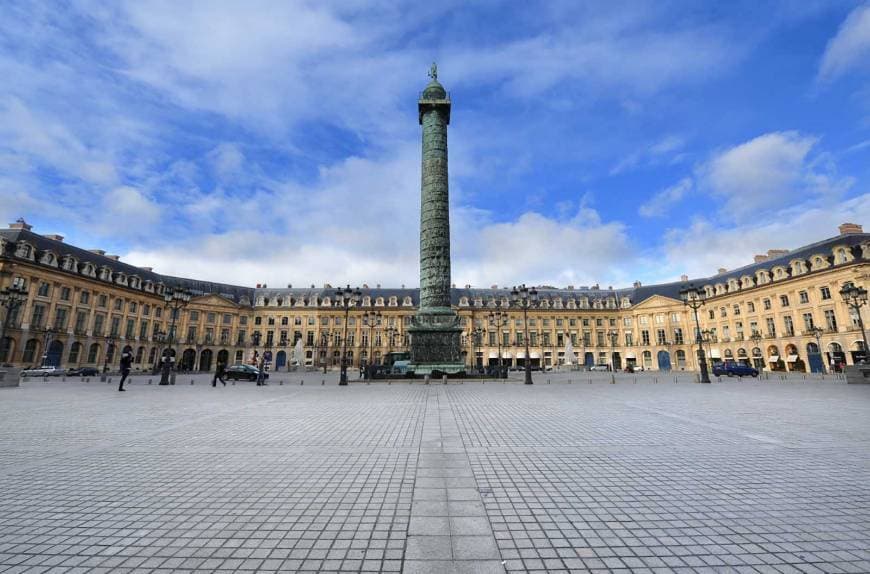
[573, 476]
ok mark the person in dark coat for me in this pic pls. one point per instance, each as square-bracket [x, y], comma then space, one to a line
[219, 375]
[126, 363]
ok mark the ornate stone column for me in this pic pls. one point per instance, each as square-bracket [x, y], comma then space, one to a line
[435, 329]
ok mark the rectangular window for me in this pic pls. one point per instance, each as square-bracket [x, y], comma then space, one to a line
[766, 304]
[678, 336]
[808, 321]
[227, 319]
[751, 307]
[241, 338]
[119, 304]
[826, 293]
[146, 309]
[626, 321]
[84, 298]
[558, 322]
[723, 312]
[116, 326]
[599, 322]
[131, 328]
[194, 315]
[506, 339]
[64, 293]
[771, 327]
[783, 300]
[804, 297]
[546, 337]
[209, 335]
[44, 289]
[158, 312]
[736, 309]
[789, 326]
[587, 338]
[210, 317]
[309, 338]
[259, 321]
[660, 337]
[629, 340]
[573, 338]
[133, 307]
[644, 337]
[81, 322]
[520, 338]
[103, 301]
[831, 320]
[243, 320]
[143, 330]
[99, 320]
[712, 314]
[225, 336]
[585, 322]
[491, 338]
[270, 338]
[191, 334]
[38, 317]
[60, 315]
[599, 338]
[533, 339]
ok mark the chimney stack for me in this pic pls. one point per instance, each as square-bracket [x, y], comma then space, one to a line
[97, 251]
[20, 224]
[760, 258]
[114, 257]
[636, 284]
[771, 253]
[721, 271]
[54, 236]
[847, 228]
[684, 278]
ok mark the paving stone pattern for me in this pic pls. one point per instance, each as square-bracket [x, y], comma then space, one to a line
[750, 476]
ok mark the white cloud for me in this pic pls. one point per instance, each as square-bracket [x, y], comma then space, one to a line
[770, 171]
[660, 202]
[127, 212]
[850, 48]
[703, 247]
[667, 150]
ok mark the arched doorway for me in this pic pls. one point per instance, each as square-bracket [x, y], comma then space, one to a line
[55, 352]
[859, 353]
[814, 357]
[223, 357]
[7, 350]
[742, 356]
[795, 363]
[836, 357]
[774, 360]
[205, 360]
[664, 360]
[188, 360]
[280, 359]
[757, 359]
[94, 353]
[588, 359]
[30, 349]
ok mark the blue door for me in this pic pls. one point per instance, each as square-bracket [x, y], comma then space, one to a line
[589, 359]
[816, 364]
[664, 361]
[280, 359]
[55, 350]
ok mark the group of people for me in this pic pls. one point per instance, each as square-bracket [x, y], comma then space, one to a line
[127, 365]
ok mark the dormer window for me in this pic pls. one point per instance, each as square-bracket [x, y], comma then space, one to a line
[842, 255]
[572, 304]
[557, 303]
[626, 302]
[545, 303]
[406, 302]
[779, 273]
[326, 302]
[463, 301]
[597, 304]
[48, 258]
[24, 250]
[746, 282]
[379, 302]
[105, 274]
[393, 301]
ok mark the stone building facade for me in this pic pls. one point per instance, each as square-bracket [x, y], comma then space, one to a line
[83, 307]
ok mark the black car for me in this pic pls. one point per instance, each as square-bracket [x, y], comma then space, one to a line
[83, 372]
[243, 373]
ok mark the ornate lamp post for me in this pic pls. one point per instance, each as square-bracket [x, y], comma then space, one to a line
[525, 298]
[694, 299]
[110, 345]
[816, 332]
[755, 337]
[612, 336]
[498, 319]
[159, 338]
[346, 297]
[46, 341]
[856, 297]
[372, 318]
[11, 298]
[174, 300]
[477, 333]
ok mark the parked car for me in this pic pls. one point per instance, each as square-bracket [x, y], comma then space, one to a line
[734, 369]
[243, 373]
[83, 372]
[599, 368]
[42, 372]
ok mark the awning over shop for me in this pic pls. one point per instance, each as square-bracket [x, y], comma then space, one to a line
[773, 358]
[521, 354]
[715, 354]
[630, 355]
[493, 354]
[506, 355]
[535, 355]
[792, 358]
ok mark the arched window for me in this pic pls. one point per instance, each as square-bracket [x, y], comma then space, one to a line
[74, 351]
[140, 354]
[93, 353]
[152, 355]
[30, 349]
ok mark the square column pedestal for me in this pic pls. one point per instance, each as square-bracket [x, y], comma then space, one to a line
[436, 342]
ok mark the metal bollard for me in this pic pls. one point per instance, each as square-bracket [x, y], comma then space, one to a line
[234, 382]
[191, 381]
[443, 379]
[63, 379]
[322, 382]
[426, 378]
[281, 383]
[302, 382]
[149, 381]
[109, 382]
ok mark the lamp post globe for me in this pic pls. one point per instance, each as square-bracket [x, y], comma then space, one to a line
[174, 299]
[855, 298]
[525, 298]
[347, 297]
[11, 298]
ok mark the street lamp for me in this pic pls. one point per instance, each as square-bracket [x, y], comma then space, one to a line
[259, 362]
[174, 300]
[755, 337]
[346, 297]
[46, 341]
[11, 298]
[694, 299]
[477, 333]
[856, 297]
[159, 338]
[525, 298]
[110, 345]
[816, 332]
[498, 319]
[372, 318]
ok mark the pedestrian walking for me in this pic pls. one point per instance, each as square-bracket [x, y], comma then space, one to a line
[126, 363]
[219, 375]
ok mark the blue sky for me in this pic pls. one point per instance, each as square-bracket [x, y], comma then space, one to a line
[590, 142]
